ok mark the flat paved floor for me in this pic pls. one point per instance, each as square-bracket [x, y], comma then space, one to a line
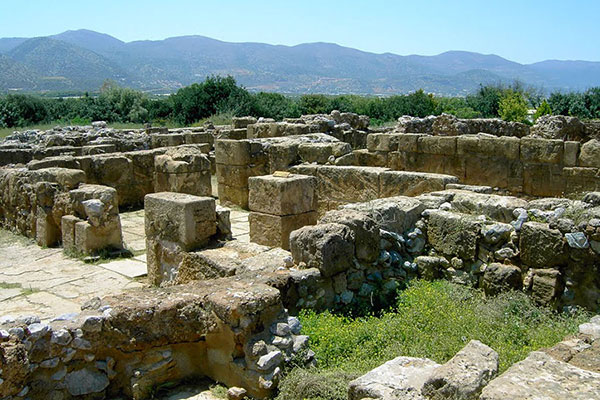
[44, 282]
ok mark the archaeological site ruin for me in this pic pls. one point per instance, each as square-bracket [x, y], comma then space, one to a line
[242, 226]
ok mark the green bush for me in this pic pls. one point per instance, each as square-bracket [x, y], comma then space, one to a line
[543, 109]
[433, 320]
[513, 107]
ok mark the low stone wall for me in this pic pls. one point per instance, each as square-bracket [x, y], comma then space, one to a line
[533, 166]
[339, 185]
[475, 239]
[449, 125]
[228, 330]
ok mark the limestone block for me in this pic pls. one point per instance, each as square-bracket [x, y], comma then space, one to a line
[402, 183]
[328, 247]
[546, 285]
[242, 122]
[534, 150]
[540, 376]
[233, 196]
[180, 218]
[200, 138]
[571, 153]
[167, 140]
[239, 152]
[501, 277]
[396, 214]
[590, 154]
[68, 162]
[497, 208]
[434, 163]
[236, 175]
[47, 232]
[454, 234]
[467, 145]
[465, 375]
[224, 222]
[404, 375]
[541, 247]
[442, 145]
[274, 230]
[504, 147]
[294, 194]
[581, 179]
[382, 141]
[67, 178]
[543, 180]
[365, 231]
[407, 142]
[196, 183]
[90, 239]
[281, 156]
[320, 152]
[98, 149]
[67, 227]
[107, 195]
[349, 184]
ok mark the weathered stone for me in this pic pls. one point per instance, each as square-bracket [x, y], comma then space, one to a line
[365, 231]
[540, 246]
[274, 230]
[86, 381]
[180, 218]
[293, 194]
[501, 277]
[454, 234]
[400, 378]
[396, 214]
[328, 247]
[540, 376]
[465, 375]
[590, 154]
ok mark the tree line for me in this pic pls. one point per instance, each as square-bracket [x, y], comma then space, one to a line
[222, 95]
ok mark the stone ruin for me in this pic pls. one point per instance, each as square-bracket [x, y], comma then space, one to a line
[341, 216]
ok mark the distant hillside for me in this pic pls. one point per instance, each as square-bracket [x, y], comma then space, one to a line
[83, 59]
[63, 65]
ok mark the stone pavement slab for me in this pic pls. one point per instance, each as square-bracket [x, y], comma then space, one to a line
[130, 267]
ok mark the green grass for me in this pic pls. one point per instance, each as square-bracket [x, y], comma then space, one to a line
[8, 285]
[431, 319]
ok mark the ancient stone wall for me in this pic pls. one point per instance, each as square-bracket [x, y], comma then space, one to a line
[533, 166]
[230, 331]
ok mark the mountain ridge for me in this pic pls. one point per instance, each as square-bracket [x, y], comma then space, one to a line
[83, 59]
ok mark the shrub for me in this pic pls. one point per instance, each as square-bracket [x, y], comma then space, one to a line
[513, 107]
[543, 109]
[431, 319]
[315, 384]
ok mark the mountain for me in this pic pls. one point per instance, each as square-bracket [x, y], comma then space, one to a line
[15, 75]
[83, 59]
[63, 65]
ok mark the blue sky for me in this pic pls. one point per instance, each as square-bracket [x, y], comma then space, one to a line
[524, 31]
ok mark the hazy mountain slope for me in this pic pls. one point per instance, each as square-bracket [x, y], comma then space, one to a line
[100, 43]
[66, 65]
[7, 44]
[15, 75]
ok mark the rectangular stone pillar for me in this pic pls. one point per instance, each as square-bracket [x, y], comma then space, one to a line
[175, 223]
[280, 204]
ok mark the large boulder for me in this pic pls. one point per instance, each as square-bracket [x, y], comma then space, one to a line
[328, 247]
[365, 231]
[540, 376]
[590, 154]
[454, 234]
[400, 378]
[501, 277]
[541, 247]
[463, 377]
[558, 127]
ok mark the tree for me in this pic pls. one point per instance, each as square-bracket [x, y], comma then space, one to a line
[513, 107]
[486, 100]
[543, 109]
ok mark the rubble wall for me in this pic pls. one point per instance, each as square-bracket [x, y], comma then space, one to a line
[227, 330]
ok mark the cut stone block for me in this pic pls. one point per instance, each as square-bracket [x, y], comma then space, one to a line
[90, 239]
[274, 230]
[454, 234]
[67, 227]
[180, 218]
[281, 196]
[542, 247]
[47, 233]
